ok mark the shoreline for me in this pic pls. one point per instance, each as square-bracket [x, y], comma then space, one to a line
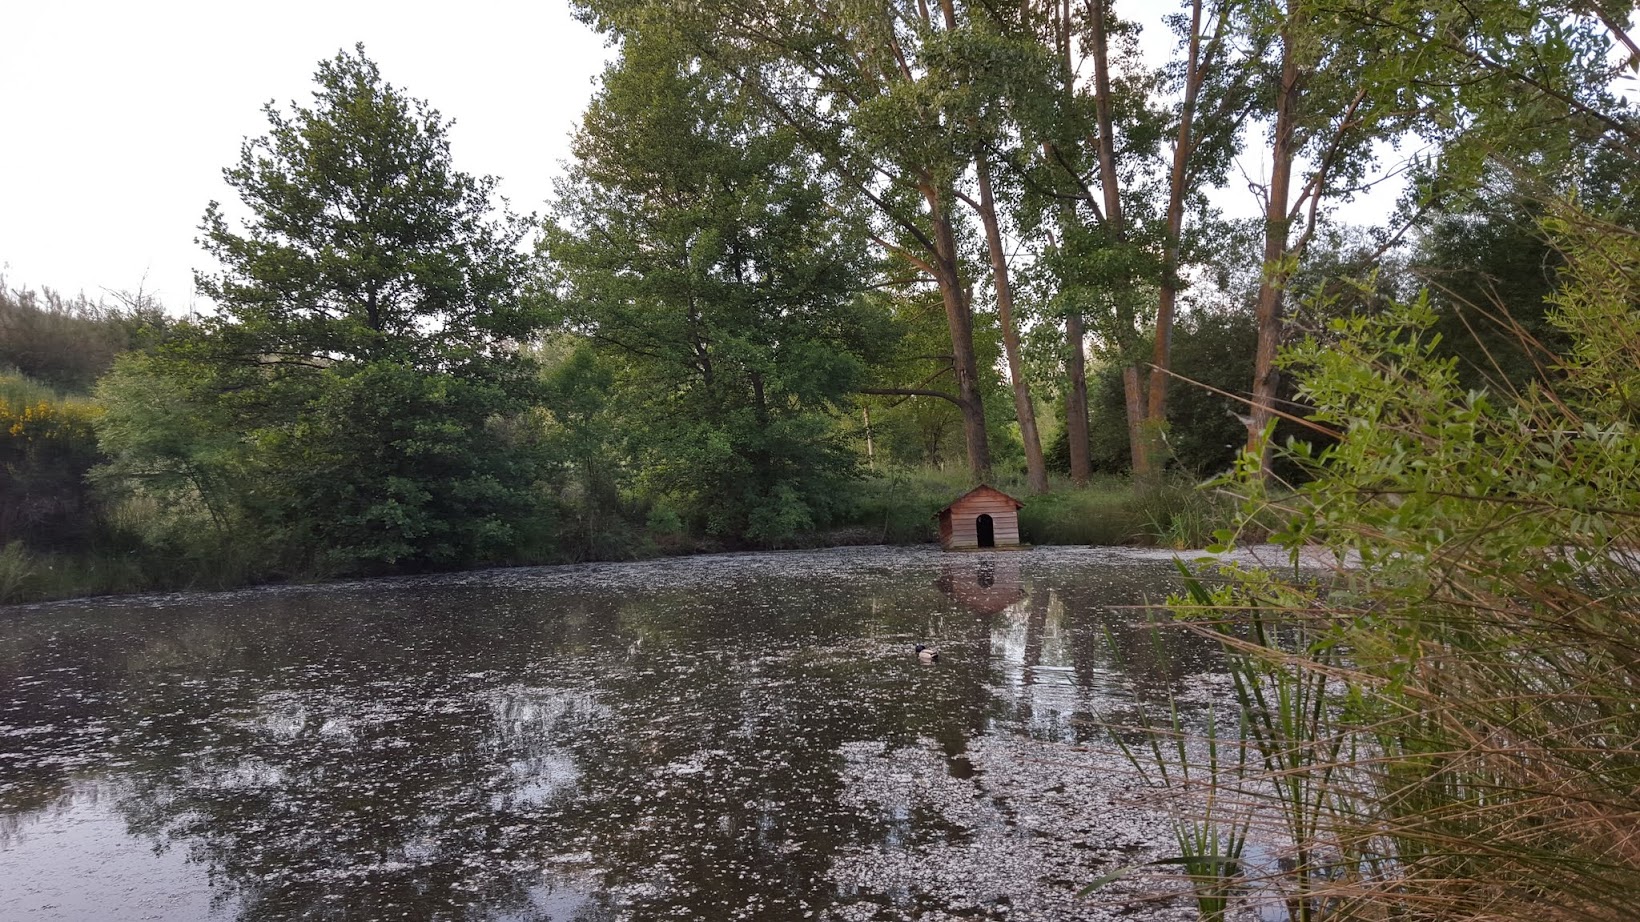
[666, 569]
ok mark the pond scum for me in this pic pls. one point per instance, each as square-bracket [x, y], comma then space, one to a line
[746, 736]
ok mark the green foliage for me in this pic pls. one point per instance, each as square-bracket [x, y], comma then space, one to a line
[697, 250]
[348, 404]
[166, 439]
[1454, 735]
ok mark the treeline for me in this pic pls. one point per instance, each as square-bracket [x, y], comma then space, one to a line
[799, 244]
[1031, 186]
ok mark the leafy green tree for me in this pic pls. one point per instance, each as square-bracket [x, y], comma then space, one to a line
[363, 242]
[1517, 98]
[695, 246]
[854, 85]
[365, 343]
[1327, 111]
[168, 443]
[582, 435]
[1492, 266]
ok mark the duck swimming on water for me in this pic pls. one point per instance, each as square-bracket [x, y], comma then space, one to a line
[927, 654]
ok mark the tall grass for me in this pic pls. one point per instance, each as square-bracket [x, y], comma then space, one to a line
[1201, 776]
[1103, 513]
[1182, 514]
[16, 569]
[19, 390]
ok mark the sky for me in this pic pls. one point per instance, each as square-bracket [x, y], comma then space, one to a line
[119, 117]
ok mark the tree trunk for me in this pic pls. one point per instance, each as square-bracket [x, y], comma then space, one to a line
[1036, 469]
[1105, 143]
[1076, 396]
[1161, 359]
[1272, 287]
[959, 320]
[1076, 400]
[1134, 399]
[871, 456]
[1110, 184]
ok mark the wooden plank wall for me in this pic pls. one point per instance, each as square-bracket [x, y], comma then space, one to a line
[1004, 520]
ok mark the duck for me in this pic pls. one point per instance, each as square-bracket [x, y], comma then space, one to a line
[927, 654]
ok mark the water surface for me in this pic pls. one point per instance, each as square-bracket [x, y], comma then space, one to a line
[742, 736]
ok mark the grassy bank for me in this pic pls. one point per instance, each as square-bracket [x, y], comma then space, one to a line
[891, 507]
[899, 507]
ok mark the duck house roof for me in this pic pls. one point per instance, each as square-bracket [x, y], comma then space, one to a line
[982, 489]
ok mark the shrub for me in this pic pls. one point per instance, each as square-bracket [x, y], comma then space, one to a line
[1450, 730]
[46, 449]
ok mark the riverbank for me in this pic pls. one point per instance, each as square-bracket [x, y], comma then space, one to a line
[893, 509]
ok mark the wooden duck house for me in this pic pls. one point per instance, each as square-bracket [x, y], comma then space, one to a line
[982, 517]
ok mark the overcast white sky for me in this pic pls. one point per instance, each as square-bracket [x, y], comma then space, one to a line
[119, 116]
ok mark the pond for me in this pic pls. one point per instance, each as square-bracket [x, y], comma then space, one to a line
[738, 736]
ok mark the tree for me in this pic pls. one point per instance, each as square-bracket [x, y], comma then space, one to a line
[1325, 116]
[1091, 145]
[696, 248]
[1213, 105]
[364, 346]
[851, 82]
[364, 243]
[1525, 84]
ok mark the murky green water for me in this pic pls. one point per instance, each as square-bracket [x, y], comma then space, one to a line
[712, 738]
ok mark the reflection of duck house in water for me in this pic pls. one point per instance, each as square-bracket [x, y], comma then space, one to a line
[982, 517]
[985, 586]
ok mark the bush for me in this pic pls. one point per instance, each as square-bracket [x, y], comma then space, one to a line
[1450, 730]
[69, 343]
[898, 505]
[46, 449]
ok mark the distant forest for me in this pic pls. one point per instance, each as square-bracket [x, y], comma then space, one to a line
[815, 268]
